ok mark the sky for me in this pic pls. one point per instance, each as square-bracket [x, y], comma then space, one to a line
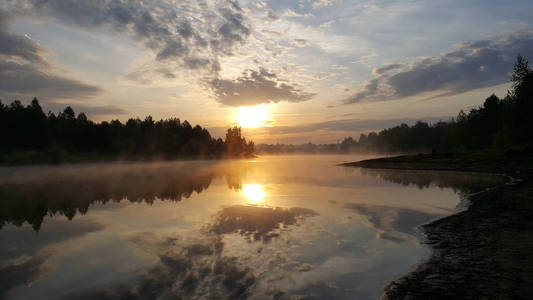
[286, 71]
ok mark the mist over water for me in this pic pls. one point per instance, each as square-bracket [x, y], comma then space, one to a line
[275, 226]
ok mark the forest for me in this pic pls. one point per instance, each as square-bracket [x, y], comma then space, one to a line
[498, 124]
[31, 136]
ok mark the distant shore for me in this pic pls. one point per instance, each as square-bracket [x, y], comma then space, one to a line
[483, 252]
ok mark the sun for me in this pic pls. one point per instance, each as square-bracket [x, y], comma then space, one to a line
[253, 192]
[252, 116]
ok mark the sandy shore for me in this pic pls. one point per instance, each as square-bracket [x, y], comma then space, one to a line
[484, 252]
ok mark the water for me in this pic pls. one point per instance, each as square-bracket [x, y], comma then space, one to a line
[279, 226]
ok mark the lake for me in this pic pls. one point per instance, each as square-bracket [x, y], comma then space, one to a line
[271, 227]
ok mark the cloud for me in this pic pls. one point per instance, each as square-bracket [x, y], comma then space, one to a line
[350, 125]
[89, 110]
[289, 13]
[391, 220]
[301, 42]
[257, 223]
[16, 274]
[200, 264]
[23, 242]
[192, 35]
[185, 267]
[231, 32]
[387, 68]
[471, 66]
[15, 46]
[24, 71]
[323, 3]
[28, 79]
[183, 36]
[327, 24]
[256, 87]
[272, 15]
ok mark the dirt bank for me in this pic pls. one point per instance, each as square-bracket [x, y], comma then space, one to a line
[484, 252]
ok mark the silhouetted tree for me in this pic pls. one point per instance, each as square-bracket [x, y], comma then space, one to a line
[236, 145]
[28, 131]
[498, 123]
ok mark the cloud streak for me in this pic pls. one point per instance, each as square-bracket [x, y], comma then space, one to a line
[27, 79]
[472, 65]
[350, 125]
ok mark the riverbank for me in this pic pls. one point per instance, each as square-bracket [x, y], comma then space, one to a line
[483, 252]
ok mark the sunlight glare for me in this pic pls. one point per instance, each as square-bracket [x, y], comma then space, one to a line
[252, 116]
[253, 192]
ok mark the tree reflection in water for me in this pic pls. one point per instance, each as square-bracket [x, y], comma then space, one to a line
[461, 182]
[236, 251]
[30, 195]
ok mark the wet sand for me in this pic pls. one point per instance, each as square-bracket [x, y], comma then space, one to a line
[483, 252]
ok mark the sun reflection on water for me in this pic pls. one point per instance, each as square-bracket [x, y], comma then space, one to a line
[253, 192]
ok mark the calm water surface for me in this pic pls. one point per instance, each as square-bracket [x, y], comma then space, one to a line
[274, 227]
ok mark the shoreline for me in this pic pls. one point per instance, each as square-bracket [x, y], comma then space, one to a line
[483, 251]
[80, 160]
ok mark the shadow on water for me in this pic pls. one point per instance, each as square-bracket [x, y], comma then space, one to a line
[396, 223]
[462, 183]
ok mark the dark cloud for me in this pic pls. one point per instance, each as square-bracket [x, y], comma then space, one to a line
[350, 125]
[49, 104]
[301, 42]
[23, 244]
[24, 241]
[256, 87]
[89, 110]
[391, 221]
[388, 68]
[19, 78]
[471, 66]
[190, 36]
[15, 46]
[185, 29]
[257, 223]
[197, 265]
[12, 275]
[194, 42]
[272, 15]
[370, 89]
[185, 268]
[232, 31]
[25, 73]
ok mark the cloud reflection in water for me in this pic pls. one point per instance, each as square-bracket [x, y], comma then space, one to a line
[216, 245]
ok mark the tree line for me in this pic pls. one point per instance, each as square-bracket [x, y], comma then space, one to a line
[29, 135]
[497, 124]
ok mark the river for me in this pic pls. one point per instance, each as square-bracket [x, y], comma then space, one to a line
[271, 227]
